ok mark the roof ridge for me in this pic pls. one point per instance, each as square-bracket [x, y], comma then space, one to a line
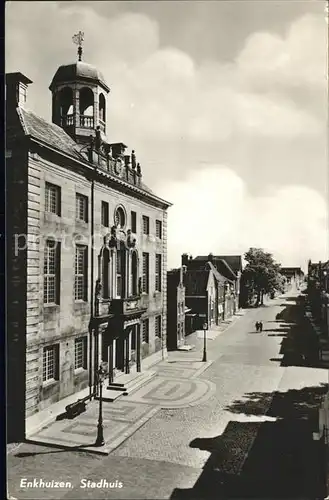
[21, 119]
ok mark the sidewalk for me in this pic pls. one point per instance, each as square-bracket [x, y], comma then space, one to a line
[176, 384]
[196, 339]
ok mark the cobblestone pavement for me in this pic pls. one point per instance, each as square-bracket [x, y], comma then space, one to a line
[174, 450]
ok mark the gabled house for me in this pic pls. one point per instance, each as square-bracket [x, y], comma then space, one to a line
[231, 291]
[176, 309]
[201, 296]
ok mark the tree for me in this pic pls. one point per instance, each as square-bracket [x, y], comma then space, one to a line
[261, 274]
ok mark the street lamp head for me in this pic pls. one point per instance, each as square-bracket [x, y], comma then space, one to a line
[205, 326]
[101, 374]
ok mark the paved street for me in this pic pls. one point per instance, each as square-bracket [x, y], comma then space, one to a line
[238, 428]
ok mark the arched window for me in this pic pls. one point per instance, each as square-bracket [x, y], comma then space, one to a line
[102, 111]
[105, 273]
[121, 271]
[86, 107]
[134, 273]
[120, 217]
[65, 100]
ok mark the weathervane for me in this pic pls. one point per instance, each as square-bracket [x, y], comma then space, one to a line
[78, 39]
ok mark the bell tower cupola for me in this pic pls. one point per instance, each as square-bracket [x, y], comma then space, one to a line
[79, 96]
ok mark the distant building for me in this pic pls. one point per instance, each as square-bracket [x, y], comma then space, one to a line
[294, 275]
[211, 289]
[176, 309]
[86, 252]
[229, 303]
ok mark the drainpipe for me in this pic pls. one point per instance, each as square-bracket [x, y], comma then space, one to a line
[91, 323]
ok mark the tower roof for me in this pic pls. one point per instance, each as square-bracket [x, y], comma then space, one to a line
[78, 71]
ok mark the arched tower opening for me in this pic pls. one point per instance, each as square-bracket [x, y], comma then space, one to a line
[86, 107]
[102, 112]
[65, 107]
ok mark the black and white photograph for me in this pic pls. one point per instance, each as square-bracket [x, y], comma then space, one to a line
[167, 249]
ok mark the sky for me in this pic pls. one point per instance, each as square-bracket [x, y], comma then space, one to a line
[224, 102]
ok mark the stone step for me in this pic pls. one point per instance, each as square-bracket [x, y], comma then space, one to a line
[119, 385]
[186, 347]
[138, 382]
[128, 383]
[110, 395]
[112, 387]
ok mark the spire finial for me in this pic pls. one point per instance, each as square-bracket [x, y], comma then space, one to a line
[78, 39]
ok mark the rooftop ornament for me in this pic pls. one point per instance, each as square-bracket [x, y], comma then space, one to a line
[78, 39]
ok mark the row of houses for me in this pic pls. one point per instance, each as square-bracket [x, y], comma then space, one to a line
[205, 289]
[318, 300]
[318, 293]
[87, 281]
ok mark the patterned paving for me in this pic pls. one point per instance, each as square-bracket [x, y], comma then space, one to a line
[182, 368]
[120, 420]
[174, 392]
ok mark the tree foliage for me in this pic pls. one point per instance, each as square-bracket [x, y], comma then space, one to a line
[261, 274]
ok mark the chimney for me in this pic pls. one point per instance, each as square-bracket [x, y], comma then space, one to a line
[16, 86]
[210, 257]
[184, 259]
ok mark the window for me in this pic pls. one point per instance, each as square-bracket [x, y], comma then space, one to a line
[81, 265]
[105, 214]
[120, 217]
[133, 222]
[120, 272]
[53, 199]
[145, 331]
[134, 274]
[51, 270]
[105, 273]
[158, 326]
[145, 277]
[80, 353]
[22, 94]
[158, 262]
[158, 229]
[146, 225]
[50, 363]
[81, 206]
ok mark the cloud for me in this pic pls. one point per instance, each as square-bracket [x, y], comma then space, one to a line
[299, 58]
[214, 212]
[161, 87]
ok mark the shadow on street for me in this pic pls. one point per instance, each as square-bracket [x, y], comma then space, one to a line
[276, 457]
[282, 460]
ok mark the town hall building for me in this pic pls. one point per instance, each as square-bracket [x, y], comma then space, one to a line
[86, 248]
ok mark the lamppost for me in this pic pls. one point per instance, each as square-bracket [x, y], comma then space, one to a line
[100, 435]
[205, 327]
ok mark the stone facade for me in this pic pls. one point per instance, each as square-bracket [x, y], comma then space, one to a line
[80, 333]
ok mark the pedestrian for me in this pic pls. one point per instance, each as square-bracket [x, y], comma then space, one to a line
[260, 326]
[257, 326]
